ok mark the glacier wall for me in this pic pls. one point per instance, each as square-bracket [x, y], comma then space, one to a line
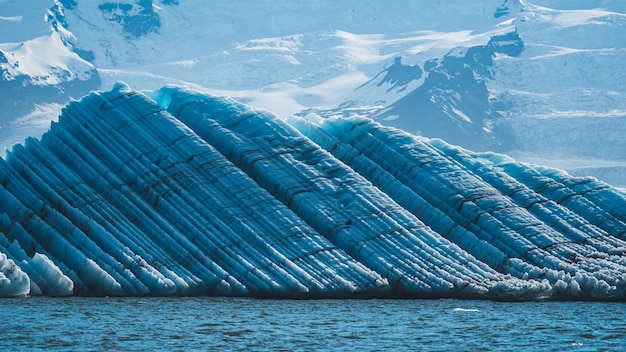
[176, 192]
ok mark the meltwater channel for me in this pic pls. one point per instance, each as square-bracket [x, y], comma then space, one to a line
[220, 324]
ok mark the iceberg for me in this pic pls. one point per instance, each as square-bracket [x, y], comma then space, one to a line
[13, 281]
[180, 192]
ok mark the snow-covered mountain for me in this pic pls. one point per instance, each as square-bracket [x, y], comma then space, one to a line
[41, 68]
[539, 79]
[178, 192]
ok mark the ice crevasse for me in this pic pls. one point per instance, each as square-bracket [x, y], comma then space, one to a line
[178, 192]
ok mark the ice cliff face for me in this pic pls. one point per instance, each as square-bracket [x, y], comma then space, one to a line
[174, 192]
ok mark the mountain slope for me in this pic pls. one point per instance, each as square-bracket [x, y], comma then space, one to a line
[39, 66]
[453, 101]
[428, 68]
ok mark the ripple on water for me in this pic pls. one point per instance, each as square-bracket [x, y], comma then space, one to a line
[73, 323]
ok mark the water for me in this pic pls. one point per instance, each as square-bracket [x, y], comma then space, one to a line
[212, 324]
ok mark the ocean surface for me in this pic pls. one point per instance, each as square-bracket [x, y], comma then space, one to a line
[221, 324]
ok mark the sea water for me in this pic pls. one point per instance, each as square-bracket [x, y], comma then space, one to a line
[220, 324]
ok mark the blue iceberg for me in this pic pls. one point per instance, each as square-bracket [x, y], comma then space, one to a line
[178, 192]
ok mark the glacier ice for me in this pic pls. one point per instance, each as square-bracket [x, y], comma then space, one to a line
[13, 281]
[178, 192]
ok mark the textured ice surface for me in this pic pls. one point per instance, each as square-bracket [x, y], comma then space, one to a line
[176, 192]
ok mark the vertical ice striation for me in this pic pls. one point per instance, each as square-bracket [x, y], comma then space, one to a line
[126, 200]
[341, 204]
[176, 192]
[529, 222]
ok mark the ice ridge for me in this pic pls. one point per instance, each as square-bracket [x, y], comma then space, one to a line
[177, 192]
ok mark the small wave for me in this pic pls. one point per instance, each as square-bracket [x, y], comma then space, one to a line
[466, 310]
